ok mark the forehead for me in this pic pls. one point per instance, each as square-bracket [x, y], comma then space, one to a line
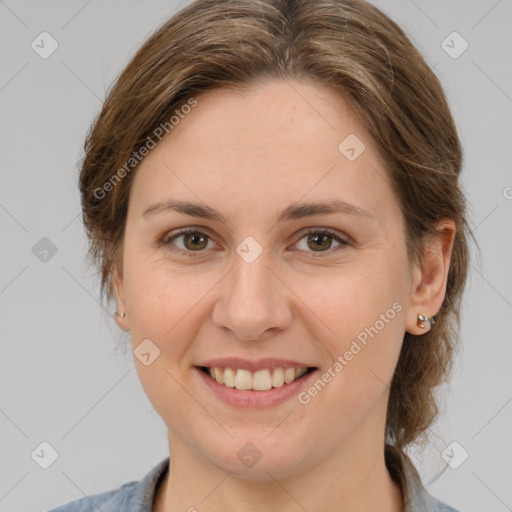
[273, 142]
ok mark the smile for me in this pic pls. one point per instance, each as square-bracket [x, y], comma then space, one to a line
[260, 380]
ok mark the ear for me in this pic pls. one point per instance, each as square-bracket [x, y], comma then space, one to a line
[430, 276]
[118, 288]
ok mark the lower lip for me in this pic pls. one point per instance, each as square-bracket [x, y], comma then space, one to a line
[250, 399]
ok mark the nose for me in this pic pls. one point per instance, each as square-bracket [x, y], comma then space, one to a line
[254, 302]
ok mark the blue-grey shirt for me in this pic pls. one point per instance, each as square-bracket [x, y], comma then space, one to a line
[138, 496]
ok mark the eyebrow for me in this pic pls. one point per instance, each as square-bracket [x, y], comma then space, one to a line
[292, 212]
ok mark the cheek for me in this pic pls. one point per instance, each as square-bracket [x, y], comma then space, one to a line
[163, 306]
[359, 315]
[343, 301]
[367, 321]
[156, 293]
[168, 305]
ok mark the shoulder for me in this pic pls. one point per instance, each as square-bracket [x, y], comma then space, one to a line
[134, 496]
[441, 506]
[110, 500]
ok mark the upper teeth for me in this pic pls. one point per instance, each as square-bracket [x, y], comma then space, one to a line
[260, 380]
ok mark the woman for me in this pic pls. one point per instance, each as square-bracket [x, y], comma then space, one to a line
[271, 193]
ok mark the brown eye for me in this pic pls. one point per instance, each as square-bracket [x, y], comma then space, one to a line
[193, 241]
[320, 241]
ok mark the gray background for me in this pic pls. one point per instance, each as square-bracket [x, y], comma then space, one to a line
[65, 377]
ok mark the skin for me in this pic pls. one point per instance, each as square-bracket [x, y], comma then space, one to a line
[249, 154]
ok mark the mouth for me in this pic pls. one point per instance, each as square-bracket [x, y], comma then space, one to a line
[263, 379]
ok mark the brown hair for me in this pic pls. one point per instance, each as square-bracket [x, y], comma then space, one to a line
[347, 44]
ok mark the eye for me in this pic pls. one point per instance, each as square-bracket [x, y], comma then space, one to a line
[193, 241]
[322, 239]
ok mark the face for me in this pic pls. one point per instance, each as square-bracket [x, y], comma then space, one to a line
[266, 285]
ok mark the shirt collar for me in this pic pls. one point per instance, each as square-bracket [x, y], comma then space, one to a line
[403, 472]
[142, 499]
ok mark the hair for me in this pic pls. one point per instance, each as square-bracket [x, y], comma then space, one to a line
[349, 45]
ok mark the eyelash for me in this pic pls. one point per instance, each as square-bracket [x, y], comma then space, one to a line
[166, 241]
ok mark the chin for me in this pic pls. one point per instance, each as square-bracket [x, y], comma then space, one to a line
[260, 460]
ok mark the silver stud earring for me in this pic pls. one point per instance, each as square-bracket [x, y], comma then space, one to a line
[425, 319]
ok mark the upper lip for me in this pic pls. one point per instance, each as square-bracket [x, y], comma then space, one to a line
[246, 364]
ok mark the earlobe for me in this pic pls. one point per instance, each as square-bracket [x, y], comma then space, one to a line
[121, 322]
[430, 279]
[425, 322]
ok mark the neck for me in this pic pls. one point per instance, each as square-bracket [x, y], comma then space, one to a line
[354, 479]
